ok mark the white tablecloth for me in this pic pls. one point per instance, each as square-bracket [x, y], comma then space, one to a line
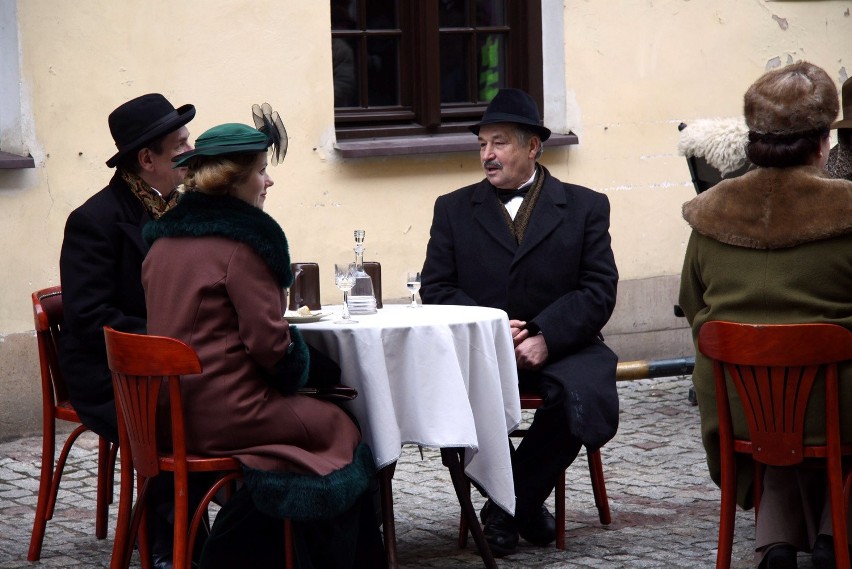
[437, 376]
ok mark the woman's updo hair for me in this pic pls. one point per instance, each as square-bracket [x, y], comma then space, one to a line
[788, 112]
[216, 175]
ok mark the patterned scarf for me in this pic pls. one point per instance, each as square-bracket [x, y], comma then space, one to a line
[151, 199]
[518, 226]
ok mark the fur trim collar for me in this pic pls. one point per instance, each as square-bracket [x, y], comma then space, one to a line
[304, 496]
[199, 215]
[773, 208]
[721, 142]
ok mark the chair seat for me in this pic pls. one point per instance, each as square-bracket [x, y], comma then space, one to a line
[197, 463]
[66, 412]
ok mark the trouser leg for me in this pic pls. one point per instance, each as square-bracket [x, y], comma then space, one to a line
[544, 452]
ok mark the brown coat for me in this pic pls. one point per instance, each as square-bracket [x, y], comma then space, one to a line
[772, 246]
[213, 289]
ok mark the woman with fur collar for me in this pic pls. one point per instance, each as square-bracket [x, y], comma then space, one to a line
[214, 278]
[775, 246]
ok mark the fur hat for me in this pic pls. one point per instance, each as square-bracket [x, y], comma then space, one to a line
[797, 98]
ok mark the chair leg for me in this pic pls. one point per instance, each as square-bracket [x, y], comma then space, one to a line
[560, 511]
[599, 486]
[103, 491]
[49, 483]
[123, 544]
[727, 515]
[289, 561]
[388, 527]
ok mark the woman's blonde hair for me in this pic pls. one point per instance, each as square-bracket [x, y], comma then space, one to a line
[216, 175]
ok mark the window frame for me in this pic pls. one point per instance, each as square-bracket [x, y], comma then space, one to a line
[421, 113]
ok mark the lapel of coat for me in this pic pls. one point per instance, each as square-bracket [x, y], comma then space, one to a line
[548, 214]
[486, 212]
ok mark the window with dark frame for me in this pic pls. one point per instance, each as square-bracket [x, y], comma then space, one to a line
[424, 67]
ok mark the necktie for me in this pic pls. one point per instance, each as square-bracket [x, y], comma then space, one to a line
[506, 197]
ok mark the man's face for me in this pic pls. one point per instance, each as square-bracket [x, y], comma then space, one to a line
[157, 168]
[506, 162]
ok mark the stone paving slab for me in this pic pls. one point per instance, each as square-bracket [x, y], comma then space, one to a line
[664, 507]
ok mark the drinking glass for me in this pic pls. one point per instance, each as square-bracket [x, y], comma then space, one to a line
[344, 279]
[413, 284]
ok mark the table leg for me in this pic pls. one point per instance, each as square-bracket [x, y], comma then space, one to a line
[385, 475]
[451, 457]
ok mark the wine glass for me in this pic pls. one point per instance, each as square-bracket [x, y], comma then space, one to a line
[344, 279]
[413, 284]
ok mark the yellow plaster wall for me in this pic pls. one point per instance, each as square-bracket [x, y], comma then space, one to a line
[633, 69]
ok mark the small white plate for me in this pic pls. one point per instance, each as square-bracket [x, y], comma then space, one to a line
[294, 318]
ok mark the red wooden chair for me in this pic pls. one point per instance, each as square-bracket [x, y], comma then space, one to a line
[48, 316]
[773, 368]
[140, 364]
[533, 401]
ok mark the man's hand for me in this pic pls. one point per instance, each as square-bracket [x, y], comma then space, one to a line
[519, 332]
[531, 353]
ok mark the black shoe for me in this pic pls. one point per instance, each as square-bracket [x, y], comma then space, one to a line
[501, 531]
[781, 556]
[540, 529]
[160, 561]
[823, 553]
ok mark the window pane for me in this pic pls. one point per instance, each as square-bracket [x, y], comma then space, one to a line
[344, 14]
[492, 65]
[452, 13]
[454, 68]
[490, 12]
[381, 14]
[382, 71]
[344, 61]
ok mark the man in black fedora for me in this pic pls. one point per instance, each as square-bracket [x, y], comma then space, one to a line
[522, 241]
[839, 163]
[100, 262]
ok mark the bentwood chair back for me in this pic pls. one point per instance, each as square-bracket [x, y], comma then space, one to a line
[374, 269]
[140, 366]
[533, 401]
[305, 290]
[773, 369]
[48, 315]
[306, 284]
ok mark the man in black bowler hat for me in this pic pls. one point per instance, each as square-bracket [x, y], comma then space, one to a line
[101, 259]
[522, 241]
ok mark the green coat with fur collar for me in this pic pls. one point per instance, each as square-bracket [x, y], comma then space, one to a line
[773, 246]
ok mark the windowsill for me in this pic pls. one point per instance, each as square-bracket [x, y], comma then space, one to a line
[434, 144]
[13, 161]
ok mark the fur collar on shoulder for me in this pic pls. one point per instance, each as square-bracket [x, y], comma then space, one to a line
[773, 208]
[199, 215]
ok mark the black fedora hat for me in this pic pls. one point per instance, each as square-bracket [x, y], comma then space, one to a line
[142, 120]
[514, 106]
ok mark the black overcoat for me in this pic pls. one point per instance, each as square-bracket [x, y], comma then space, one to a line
[562, 278]
[100, 270]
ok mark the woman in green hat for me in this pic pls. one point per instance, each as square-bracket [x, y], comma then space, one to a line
[214, 278]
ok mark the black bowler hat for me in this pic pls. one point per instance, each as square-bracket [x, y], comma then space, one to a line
[142, 120]
[514, 106]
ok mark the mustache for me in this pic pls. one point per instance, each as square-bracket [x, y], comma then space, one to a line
[492, 164]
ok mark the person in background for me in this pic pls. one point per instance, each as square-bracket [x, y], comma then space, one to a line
[839, 163]
[215, 279]
[100, 266]
[774, 246]
[522, 241]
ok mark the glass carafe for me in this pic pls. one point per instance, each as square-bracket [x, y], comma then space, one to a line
[362, 297]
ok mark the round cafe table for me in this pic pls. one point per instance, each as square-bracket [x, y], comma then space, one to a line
[437, 376]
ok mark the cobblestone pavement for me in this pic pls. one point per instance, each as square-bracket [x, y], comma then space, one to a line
[664, 507]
